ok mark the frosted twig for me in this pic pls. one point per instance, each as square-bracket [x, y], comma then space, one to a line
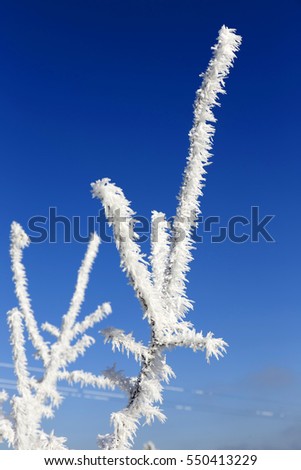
[19, 241]
[17, 341]
[197, 342]
[160, 241]
[125, 342]
[37, 399]
[121, 216]
[162, 293]
[86, 378]
[119, 380]
[6, 428]
[53, 330]
[81, 285]
[201, 136]
[160, 287]
[89, 321]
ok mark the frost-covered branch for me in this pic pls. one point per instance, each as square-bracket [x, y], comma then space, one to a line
[159, 285]
[89, 321]
[162, 291]
[6, 431]
[78, 349]
[6, 428]
[3, 397]
[117, 377]
[51, 442]
[37, 399]
[146, 391]
[19, 241]
[17, 342]
[160, 245]
[125, 342]
[121, 216]
[81, 285]
[53, 330]
[201, 136]
[86, 378]
[197, 342]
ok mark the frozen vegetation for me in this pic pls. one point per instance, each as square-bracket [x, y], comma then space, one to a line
[159, 284]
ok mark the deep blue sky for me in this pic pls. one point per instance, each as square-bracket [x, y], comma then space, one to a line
[90, 89]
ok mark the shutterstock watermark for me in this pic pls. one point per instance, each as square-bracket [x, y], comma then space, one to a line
[212, 229]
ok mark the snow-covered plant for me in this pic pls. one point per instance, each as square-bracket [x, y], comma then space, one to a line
[37, 398]
[160, 283]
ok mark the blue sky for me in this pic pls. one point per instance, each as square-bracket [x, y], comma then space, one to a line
[105, 89]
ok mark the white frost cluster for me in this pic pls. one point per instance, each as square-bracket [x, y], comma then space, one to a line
[160, 282]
